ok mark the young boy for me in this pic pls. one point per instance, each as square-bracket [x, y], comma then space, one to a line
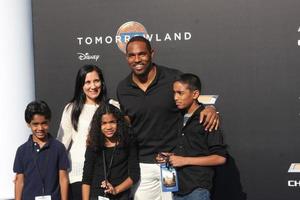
[197, 150]
[41, 163]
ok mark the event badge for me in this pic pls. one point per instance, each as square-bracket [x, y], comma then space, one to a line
[102, 198]
[169, 179]
[45, 197]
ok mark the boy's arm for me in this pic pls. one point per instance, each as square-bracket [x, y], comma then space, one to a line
[217, 153]
[85, 191]
[211, 160]
[19, 183]
[64, 184]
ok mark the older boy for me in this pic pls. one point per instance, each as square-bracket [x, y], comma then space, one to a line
[41, 163]
[196, 150]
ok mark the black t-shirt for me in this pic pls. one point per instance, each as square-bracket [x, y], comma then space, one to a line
[153, 113]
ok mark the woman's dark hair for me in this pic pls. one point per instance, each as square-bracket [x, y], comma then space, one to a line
[96, 139]
[37, 108]
[79, 97]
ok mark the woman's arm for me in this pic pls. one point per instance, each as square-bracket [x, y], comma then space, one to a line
[65, 130]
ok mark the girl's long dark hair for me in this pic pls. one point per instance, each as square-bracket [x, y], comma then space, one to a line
[79, 97]
[95, 139]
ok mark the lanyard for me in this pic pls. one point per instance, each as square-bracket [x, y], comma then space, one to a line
[106, 169]
[38, 169]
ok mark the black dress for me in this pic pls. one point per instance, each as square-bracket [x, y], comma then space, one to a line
[124, 164]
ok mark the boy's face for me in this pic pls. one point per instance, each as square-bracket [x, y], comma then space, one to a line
[39, 126]
[183, 96]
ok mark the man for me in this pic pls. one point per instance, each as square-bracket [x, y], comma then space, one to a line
[146, 97]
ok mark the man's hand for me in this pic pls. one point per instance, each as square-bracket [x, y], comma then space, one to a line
[211, 117]
[177, 161]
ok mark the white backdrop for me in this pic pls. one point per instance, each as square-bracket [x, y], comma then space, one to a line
[16, 84]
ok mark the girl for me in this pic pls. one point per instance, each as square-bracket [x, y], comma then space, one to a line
[90, 92]
[111, 159]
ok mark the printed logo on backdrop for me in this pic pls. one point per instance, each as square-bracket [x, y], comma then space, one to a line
[129, 30]
[298, 39]
[294, 168]
[87, 56]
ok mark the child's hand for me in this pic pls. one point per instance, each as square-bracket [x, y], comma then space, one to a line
[109, 188]
[177, 161]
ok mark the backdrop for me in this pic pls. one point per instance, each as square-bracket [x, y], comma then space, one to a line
[246, 52]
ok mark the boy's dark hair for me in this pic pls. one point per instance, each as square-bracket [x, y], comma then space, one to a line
[192, 80]
[140, 39]
[37, 108]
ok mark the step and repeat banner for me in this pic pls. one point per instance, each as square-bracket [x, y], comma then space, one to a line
[246, 52]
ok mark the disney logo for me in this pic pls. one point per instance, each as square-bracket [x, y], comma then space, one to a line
[87, 56]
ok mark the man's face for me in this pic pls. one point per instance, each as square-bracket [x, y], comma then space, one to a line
[139, 58]
[39, 126]
[183, 96]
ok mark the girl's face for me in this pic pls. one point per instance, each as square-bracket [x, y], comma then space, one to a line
[92, 87]
[108, 125]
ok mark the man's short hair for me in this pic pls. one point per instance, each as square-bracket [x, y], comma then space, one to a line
[37, 108]
[140, 39]
[192, 80]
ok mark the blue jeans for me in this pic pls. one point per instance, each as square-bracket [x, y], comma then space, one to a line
[197, 194]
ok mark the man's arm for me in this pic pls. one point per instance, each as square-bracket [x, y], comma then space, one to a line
[19, 183]
[85, 191]
[211, 160]
[210, 118]
[64, 184]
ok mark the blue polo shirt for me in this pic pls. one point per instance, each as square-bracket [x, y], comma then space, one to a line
[40, 167]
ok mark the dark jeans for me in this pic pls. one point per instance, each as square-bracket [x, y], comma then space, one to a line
[197, 194]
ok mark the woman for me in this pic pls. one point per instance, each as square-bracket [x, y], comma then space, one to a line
[90, 92]
[111, 160]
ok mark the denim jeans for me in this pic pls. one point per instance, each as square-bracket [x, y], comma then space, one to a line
[197, 194]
